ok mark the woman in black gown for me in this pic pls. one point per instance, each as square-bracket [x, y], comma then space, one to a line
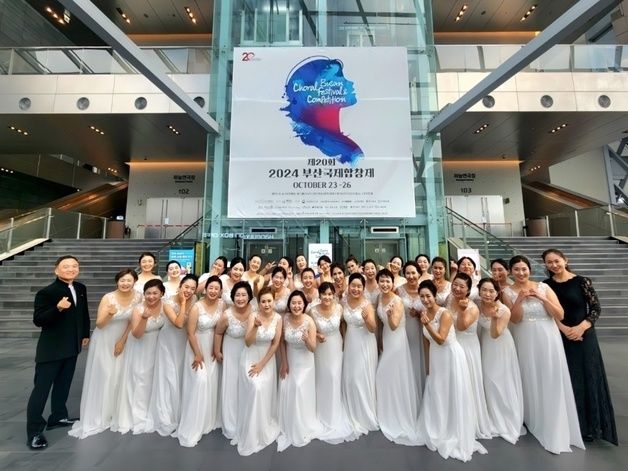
[584, 359]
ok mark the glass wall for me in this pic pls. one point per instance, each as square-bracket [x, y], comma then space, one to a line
[324, 23]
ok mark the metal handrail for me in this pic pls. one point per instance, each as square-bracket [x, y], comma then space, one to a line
[75, 55]
[17, 228]
[487, 240]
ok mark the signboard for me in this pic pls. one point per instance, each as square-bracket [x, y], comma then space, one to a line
[185, 257]
[315, 251]
[320, 132]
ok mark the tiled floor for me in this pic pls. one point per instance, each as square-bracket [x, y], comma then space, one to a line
[111, 451]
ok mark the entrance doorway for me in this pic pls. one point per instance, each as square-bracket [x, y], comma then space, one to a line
[269, 250]
[381, 250]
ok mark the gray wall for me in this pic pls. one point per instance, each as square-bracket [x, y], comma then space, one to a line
[491, 178]
[157, 180]
[584, 174]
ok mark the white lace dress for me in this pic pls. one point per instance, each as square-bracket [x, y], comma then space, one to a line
[103, 372]
[442, 295]
[372, 295]
[502, 380]
[164, 412]
[328, 359]
[297, 392]
[232, 347]
[200, 407]
[470, 343]
[447, 419]
[549, 408]
[359, 366]
[397, 397]
[257, 422]
[414, 332]
[136, 382]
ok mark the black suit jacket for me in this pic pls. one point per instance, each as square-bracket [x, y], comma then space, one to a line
[61, 331]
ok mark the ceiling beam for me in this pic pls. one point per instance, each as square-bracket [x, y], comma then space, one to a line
[103, 27]
[574, 19]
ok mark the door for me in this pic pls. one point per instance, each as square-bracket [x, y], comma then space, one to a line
[381, 250]
[269, 250]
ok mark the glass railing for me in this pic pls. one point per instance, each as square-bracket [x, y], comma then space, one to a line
[598, 221]
[465, 234]
[100, 60]
[48, 223]
[560, 58]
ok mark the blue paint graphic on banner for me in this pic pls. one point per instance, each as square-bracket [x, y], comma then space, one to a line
[316, 91]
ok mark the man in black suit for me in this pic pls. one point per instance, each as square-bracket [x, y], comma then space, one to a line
[61, 312]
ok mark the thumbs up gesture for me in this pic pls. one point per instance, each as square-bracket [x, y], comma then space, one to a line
[63, 304]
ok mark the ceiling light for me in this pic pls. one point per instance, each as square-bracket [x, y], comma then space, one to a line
[558, 128]
[172, 128]
[123, 15]
[97, 131]
[481, 128]
[461, 12]
[190, 15]
[58, 17]
[528, 13]
[23, 132]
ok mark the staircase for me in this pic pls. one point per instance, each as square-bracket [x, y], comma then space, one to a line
[602, 259]
[25, 274]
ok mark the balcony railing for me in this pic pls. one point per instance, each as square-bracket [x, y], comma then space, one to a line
[560, 58]
[49, 223]
[99, 60]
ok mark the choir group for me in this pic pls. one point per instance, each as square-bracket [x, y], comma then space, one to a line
[285, 354]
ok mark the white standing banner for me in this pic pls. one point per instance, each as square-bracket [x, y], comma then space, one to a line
[320, 133]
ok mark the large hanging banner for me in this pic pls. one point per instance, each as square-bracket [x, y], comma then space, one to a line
[320, 133]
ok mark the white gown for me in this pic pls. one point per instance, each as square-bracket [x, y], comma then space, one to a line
[226, 290]
[359, 367]
[549, 408]
[200, 408]
[297, 392]
[164, 411]
[502, 381]
[372, 295]
[137, 378]
[470, 343]
[232, 347]
[447, 419]
[414, 332]
[441, 296]
[328, 359]
[397, 397]
[103, 373]
[257, 422]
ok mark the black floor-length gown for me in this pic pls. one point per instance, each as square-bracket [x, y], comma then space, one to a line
[584, 359]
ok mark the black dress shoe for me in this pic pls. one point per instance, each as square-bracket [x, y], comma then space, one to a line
[38, 442]
[61, 423]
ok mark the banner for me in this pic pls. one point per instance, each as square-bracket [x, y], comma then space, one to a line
[320, 133]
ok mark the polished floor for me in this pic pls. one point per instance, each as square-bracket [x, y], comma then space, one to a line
[112, 451]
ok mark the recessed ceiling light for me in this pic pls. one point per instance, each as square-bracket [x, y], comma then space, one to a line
[560, 127]
[97, 130]
[124, 16]
[461, 12]
[58, 17]
[528, 13]
[20, 131]
[190, 14]
[481, 128]
[174, 130]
